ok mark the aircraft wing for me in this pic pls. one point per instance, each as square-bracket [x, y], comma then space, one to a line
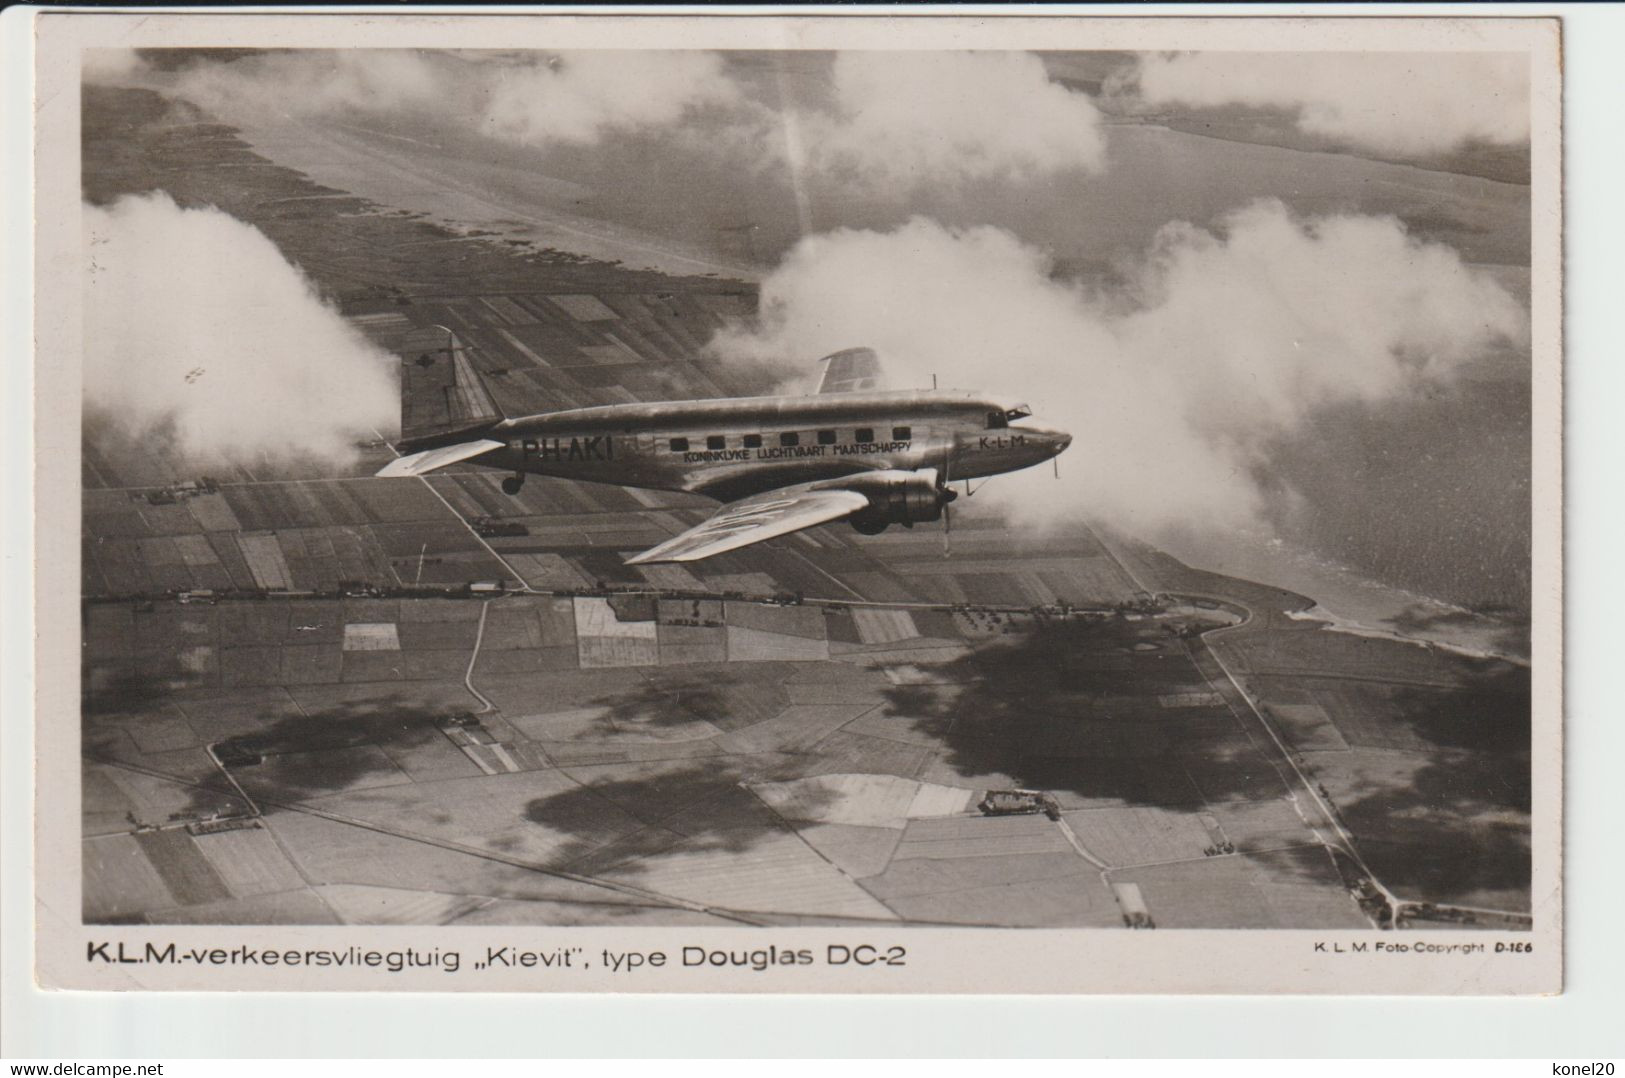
[430, 459]
[750, 520]
[855, 370]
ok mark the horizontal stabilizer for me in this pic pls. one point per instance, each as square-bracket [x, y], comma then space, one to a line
[430, 459]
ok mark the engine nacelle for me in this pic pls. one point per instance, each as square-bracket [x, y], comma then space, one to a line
[898, 497]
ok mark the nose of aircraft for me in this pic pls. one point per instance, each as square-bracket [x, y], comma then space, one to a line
[1051, 437]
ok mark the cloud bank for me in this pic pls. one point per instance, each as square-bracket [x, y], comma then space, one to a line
[315, 82]
[882, 120]
[1410, 104]
[1173, 385]
[580, 96]
[879, 119]
[195, 323]
[925, 117]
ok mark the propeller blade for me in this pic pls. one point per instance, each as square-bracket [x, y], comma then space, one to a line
[947, 526]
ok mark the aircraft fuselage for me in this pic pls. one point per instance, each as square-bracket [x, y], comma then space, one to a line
[732, 448]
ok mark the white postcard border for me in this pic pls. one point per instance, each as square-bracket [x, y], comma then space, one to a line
[959, 960]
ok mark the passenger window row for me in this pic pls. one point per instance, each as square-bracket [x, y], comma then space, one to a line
[861, 436]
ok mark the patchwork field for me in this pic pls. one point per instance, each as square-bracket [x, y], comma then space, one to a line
[294, 710]
[646, 750]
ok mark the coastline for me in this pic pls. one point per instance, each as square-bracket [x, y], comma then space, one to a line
[1337, 623]
[415, 177]
[1349, 602]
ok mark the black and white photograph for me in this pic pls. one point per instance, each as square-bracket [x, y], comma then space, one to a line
[1102, 483]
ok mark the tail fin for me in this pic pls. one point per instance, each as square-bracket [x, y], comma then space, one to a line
[852, 370]
[441, 391]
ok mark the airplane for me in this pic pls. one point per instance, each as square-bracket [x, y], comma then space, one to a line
[852, 450]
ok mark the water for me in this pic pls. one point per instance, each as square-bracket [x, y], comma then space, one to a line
[1352, 599]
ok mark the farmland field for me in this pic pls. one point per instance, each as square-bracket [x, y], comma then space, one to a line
[798, 732]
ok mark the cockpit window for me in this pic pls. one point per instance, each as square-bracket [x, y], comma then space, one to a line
[1001, 418]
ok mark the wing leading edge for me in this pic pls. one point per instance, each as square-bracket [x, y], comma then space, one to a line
[751, 520]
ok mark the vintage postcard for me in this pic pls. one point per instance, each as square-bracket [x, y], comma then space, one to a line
[799, 504]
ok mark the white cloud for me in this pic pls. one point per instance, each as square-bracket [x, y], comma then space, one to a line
[530, 97]
[882, 121]
[1173, 386]
[316, 82]
[1399, 103]
[933, 117]
[578, 96]
[195, 322]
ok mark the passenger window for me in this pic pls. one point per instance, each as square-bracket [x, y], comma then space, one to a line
[679, 445]
[902, 434]
[789, 439]
[753, 441]
[996, 421]
[826, 437]
[863, 435]
[716, 441]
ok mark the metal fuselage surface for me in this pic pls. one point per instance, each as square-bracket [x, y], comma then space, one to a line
[736, 447]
